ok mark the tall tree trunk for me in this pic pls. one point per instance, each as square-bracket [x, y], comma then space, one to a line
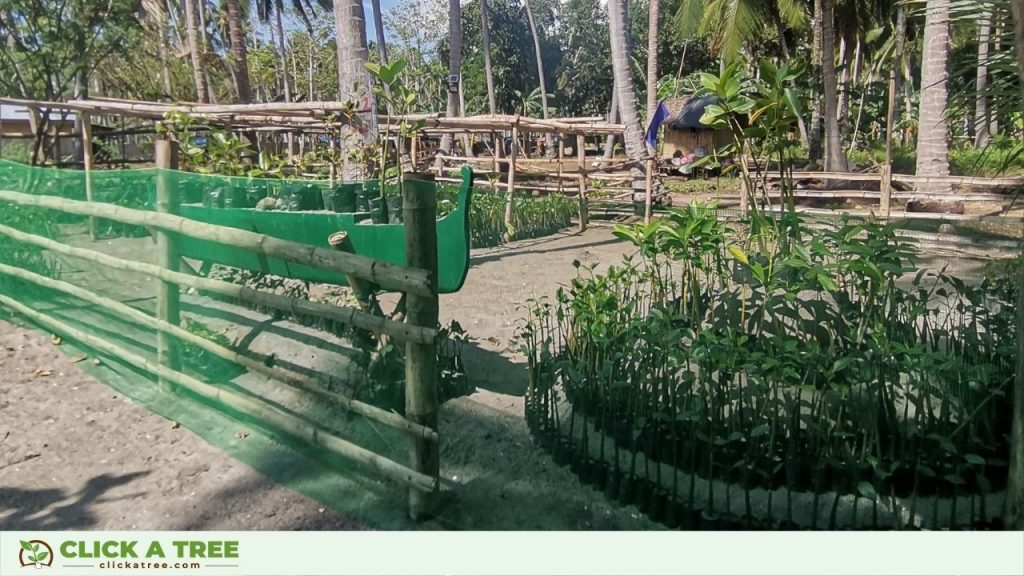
[165, 70]
[239, 52]
[636, 149]
[613, 118]
[454, 68]
[997, 47]
[835, 158]
[1015, 485]
[549, 141]
[981, 135]
[814, 144]
[310, 70]
[652, 58]
[204, 44]
[283, 47]
[198, 65]
[353, 80]
[485, 27]
[378, 26]
[933, 132]
[899, 44]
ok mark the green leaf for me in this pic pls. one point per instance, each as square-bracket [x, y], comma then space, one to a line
[760, 431]
[40, 557]
[26, 545]
[974, 459]
[739, 254]
[867, 490]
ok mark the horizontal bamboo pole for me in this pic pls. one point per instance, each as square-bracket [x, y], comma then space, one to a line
[308, 385]
[978, 181]
[400, 331]
[264, 410]
[386, 275]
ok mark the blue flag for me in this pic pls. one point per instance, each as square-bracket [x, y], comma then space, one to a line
[660, 115]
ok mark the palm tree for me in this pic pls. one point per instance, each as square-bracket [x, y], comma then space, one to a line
[353, 79]
[728, 25]
[378, 26]
[549, 141]
[652, 57]
[835, 159]
[239, 51]
[933, 132]
[454, 67]
[198, 64]
[636, 150]
[981, 134]
[486, 29]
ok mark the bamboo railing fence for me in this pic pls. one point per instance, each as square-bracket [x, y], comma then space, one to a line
[417, 282]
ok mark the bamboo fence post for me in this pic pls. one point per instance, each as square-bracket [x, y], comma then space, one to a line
[511, 189]
[648, 192]
[886, 190]
[419, 202]
[168, 298]
[87, 160]
[414, 151]
[581, 161]
[744, 196]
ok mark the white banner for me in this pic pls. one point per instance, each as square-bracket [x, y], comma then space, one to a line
[509, 553]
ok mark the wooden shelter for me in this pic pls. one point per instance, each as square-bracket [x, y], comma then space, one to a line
[686, 137]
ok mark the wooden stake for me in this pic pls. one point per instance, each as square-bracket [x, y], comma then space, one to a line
[168, 297]
[886, 190]
[87, 160]
[511, 189]
[649, 192]
[744, 196]
[581, 161]
[419, 205]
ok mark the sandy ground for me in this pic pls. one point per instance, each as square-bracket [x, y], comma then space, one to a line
[74, 454]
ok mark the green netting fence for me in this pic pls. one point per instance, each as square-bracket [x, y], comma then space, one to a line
[137, 279]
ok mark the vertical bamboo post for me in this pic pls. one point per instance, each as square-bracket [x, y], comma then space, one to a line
[334, 165]
[744, 196]
[168, 298]
[649, 191]
[890, 125]
[886, 189]
[511, 187]
[87, 160]
[414, 152]
[581, 162]
[419, 206]
[495, 152]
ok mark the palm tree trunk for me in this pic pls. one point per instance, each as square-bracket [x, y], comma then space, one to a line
[835, 159]
[353, 82]
[636, 150]
[239, 52]
[454, 67]
[981, 135]
[204, 44]
[279, 32]
[613, 118]
[198, 66]
[652, 58]
[549, 141]
[899, 42]
[814, 144]
[933, 132]
[485, 27]
[378, 26]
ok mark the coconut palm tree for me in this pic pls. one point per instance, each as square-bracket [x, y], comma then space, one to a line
[454, 66]
[835, 159]
[652, 57]
[378, 26]
[548, 139]
[981, 134]
[636, 149]
[933, 132]
[728, 25]
[239, 51]
[485, 27]
[195, 53]
[353, 79]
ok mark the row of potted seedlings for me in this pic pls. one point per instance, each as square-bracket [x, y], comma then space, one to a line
[348, 198]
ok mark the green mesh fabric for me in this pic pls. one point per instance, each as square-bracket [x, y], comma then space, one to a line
[333, 357]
